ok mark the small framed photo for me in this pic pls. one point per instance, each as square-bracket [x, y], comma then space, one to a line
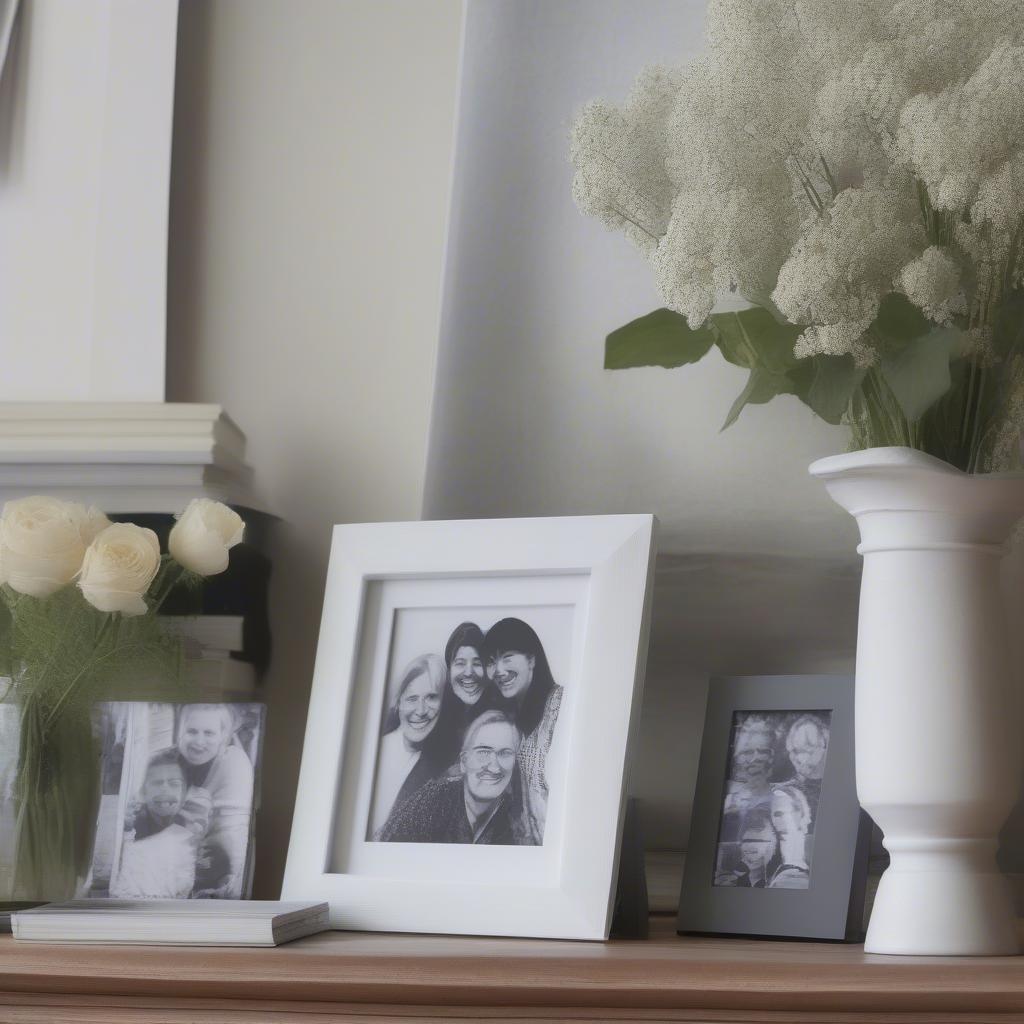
[475, 690]
[178, 785]
[778, 842]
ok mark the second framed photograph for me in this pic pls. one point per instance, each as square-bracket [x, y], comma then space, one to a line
[465, 757]
[778, 842]
[178, 795]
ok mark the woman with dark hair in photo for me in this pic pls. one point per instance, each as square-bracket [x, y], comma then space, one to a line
[409, 754]
[532, 699]
[467, 675]
[470, 690]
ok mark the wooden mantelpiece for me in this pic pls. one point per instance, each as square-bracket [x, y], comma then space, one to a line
[376, 977]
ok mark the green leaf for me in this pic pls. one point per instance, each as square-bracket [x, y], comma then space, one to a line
[762, 386]
[918, 372]
[827, 383]
[754, 338]
[661, 338]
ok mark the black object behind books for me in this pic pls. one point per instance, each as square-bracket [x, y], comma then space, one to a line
[631, 918]
[241, 590]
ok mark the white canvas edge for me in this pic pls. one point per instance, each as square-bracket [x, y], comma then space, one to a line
[8, 12]
[618, 553]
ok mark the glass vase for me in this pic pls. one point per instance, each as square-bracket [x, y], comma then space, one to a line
[52, 801]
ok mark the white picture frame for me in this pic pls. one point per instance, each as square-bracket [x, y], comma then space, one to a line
[593, 571]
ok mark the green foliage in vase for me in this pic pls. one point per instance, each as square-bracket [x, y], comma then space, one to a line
[856, 173]
[923, 393]
[62, 656]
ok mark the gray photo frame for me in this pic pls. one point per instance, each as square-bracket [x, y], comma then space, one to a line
[830, 905]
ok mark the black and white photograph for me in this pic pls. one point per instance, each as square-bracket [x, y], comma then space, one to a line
[475, 688]
[471, 713]
[178, 784]
[10, 722]
[770, 804]
[776, 810]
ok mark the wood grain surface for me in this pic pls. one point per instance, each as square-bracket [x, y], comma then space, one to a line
[378, 977]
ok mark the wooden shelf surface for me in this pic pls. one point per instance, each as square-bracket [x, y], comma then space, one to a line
[342, 975]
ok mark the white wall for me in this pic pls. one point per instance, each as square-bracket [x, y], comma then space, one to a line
[528, 422]
[759, 573]
[85, 139]
[312, 148]
[312, 152]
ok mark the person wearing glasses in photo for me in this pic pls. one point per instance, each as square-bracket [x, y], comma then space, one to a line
[478, 805]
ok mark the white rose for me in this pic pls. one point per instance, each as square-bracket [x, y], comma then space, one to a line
[201, 537]
[118, 568]
[91, 523]
[41, 544]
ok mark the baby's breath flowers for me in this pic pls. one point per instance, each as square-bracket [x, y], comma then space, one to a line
[857, 169]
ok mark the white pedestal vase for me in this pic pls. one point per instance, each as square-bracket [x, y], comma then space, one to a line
[937, 725]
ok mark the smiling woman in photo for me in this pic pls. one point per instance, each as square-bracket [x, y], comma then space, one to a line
[467, 676]
[470, 691]
[409, 754]
[532, 698]
[222, 769]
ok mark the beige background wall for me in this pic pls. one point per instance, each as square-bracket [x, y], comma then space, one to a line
[309, 189]
[85, 142]
[313, 144]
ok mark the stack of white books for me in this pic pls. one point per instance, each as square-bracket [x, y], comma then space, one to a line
[123, 456]
[215, 637]
[210, 643]
[171, 922]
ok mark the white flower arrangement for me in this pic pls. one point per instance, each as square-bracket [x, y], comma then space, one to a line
[79, 623]
[854, 170]
[46, 544]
